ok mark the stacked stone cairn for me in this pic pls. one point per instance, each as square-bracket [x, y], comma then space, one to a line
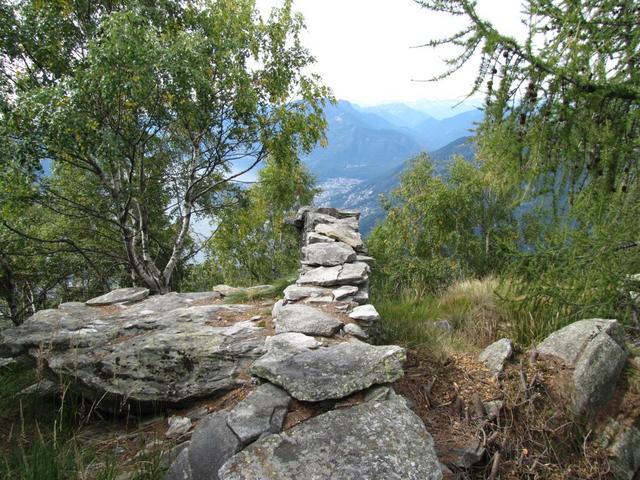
[335, 267]
[318, 358]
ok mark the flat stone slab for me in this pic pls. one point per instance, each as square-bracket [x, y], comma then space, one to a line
[347, 274]
[293, 293]
[344, 292]
[166, 348]
[307, 320]
[328, 254]
[290, 342]
[333, 372]
[374, 440]
[343, 233]
[121, 295]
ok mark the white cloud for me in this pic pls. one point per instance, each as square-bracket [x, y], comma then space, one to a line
[363, 47]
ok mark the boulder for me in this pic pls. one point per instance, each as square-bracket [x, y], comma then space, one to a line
[307, 320]
[347, 274]
[328, 254]
[595, 348]
[496, 354]
[596, 373]
[121, 295]
[333, 372]
[263, 411]
[374, 440]
[568, 343]
[180, 468]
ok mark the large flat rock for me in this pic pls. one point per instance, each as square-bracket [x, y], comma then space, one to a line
[374, 441]
[332, 372]
[166, 349]
[307, 320]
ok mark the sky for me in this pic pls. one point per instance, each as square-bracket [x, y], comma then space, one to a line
[364, 48]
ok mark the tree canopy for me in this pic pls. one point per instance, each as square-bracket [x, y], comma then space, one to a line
[147, 112]
[562, 124]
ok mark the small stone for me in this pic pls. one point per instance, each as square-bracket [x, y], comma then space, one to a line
[355, 330]
[624, 450]
[44, 388]
[493, 408]
[319, 300]
[255, 318]
[365, 313]
[341, 233]
[178, 426]
[444, 325]
[496, 354]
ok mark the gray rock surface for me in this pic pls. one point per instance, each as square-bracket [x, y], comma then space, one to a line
[121, 295]
[328, 254]
[307, 320]
[624, 450]
[332, 372]
[212, 444]
[180, 468]
[263, 411]
[496, 354]
[374, 440]
[597, 372]
[568, 343]
[162, 349]
[347, 274]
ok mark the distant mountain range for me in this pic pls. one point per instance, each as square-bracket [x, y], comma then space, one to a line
[369, 147]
